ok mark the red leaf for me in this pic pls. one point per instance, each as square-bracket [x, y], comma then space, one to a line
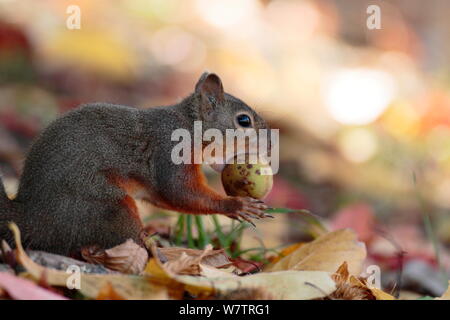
[22, 289]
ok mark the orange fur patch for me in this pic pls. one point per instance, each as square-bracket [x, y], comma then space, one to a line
[130, 204]
[130, 187]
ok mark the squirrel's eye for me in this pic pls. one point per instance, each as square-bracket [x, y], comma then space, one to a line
[244, 120]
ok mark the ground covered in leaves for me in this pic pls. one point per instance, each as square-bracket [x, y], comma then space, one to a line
[328, 267]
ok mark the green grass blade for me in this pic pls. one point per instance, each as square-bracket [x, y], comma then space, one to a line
[179, 229]
[203, 238]
[219, 232]
[190, 238]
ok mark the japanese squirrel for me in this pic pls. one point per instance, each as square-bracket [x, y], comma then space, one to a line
[83, 173]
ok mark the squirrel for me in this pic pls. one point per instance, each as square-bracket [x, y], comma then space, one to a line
[84, 172]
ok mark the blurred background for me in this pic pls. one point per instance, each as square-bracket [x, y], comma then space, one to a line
[364, 115]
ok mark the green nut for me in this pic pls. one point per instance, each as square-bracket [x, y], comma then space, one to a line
[247, 180]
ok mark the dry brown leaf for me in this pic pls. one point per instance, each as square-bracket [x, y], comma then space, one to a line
[213, 258]
[350, 287]
[127, 257]
[184, 265]
[347, 291]
[446, 295]
[129, 287]
[108, 293]
[279, 285]
[187, 261]
[325, 253]
[165, 278]
[245, 294]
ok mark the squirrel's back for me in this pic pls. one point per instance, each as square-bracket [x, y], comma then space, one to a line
[89, 137]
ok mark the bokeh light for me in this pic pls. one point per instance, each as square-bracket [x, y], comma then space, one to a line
[228, 13]
[358, 96]
[358, 145]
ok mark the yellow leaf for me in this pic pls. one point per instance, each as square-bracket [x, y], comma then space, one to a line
[280, 285]
[286, 251]
[287, 285]
[325, 253]
[162, 276]
[128, 287]
[446, 295]
[380, 294]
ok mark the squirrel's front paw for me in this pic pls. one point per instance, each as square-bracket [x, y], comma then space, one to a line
[249, 208]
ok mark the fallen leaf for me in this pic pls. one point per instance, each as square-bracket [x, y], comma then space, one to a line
[128, 257]
[165, 278]
[349, 287]
[325, 253]
[380, 294]
[286, 285]
[247, 266]
[187, 261]
[446, 295]
[213, 258]
[22, 289]
[184, 265]
[108, 293]
[285, 252]
[245, 294]
[280, 285]
[211, 272]
[7, 254]
[127, 286]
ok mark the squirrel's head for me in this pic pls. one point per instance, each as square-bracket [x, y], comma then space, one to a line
[220, 110]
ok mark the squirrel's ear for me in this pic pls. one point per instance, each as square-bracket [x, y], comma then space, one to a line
[210, 86]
